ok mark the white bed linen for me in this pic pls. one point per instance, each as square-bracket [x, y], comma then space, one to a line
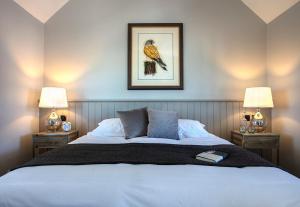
[118, 185]
[208, 140]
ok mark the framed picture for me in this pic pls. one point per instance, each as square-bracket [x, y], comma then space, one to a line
[155, 56]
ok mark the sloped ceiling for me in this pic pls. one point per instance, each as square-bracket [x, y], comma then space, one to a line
[267, 10]
[42, 9]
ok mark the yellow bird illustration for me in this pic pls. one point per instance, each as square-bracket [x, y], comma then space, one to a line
[151, 52]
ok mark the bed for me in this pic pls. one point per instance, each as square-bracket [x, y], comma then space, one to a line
[118, 185]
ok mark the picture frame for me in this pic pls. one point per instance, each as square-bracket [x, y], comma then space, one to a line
[155, 56]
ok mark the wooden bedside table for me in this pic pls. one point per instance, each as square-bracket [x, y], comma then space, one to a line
[257, 141]
[45, 141]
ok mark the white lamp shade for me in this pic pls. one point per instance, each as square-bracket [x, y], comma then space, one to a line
[52, 97]
[258, 97]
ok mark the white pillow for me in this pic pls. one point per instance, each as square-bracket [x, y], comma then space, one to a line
[109, 128]
[113, 128]
[191, 129]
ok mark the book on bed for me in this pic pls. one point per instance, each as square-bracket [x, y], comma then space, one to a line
[212, 156]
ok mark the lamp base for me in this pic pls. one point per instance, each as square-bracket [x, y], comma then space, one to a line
[258, 122]
[53, 121]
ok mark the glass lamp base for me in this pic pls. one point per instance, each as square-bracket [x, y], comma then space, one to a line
[53, 122]
[258, 122]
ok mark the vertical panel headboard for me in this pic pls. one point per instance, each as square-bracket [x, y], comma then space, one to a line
[219, 116]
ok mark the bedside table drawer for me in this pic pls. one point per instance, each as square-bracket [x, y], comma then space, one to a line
[235, 136]
[50, 140]
[51, 144]
[236, 140]
[261, 143]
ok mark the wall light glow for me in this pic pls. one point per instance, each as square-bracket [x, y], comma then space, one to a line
[65, 73]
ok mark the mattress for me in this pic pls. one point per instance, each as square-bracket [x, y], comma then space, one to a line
[118, 185]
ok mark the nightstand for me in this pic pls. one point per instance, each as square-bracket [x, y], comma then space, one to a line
[45, 141]
[257, 141]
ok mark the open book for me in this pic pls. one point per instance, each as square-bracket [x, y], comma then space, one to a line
[212, 156]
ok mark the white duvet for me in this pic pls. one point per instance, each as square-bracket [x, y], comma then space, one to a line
[118, 185]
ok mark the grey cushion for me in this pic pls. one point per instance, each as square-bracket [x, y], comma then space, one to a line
[162, 124]
[135, 122]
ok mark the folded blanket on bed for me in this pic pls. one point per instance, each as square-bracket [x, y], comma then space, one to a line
[140, 153]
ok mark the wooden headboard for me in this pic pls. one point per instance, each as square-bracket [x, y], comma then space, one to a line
[219, 116]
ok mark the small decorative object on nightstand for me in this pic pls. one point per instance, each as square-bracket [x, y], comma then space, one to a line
[45, 141]
[257, 141]
[243, 124]
[65, 125]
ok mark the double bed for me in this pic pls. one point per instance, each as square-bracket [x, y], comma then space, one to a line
[121, 184]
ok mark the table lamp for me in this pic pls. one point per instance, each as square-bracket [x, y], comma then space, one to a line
[52, 97]
[258, 97]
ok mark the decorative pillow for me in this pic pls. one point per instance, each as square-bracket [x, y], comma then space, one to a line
[109, 128]
[135, 122]
[191, 129]
[163, 124]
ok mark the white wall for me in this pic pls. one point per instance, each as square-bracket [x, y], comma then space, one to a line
[284, 77]
[21, 69]
[224, 47]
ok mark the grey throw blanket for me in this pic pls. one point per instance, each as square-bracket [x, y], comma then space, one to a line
[138, 153]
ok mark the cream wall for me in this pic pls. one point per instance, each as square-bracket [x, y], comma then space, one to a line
[21, 69]
[284, 77]
[86, 47]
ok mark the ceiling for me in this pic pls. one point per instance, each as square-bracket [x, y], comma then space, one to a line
[267, 10]
[42, 9]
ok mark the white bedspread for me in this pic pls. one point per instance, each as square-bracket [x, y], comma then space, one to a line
[118, 185]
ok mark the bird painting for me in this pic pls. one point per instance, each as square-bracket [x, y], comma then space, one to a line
[152, 52]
